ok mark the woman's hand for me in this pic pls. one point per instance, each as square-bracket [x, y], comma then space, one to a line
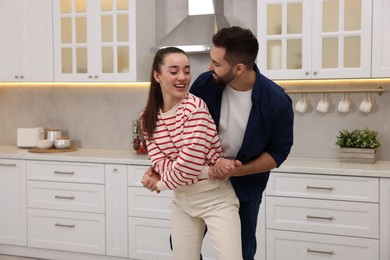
[150, 179]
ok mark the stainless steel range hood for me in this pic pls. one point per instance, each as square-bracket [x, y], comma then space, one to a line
[194, 33]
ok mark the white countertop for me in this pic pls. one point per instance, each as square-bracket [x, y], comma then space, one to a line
[334, 166]
[80, 155]
[291, 165]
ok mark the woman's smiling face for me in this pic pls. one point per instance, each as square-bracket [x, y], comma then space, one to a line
[174, 78]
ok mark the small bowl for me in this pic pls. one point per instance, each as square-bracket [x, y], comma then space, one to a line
[44, 144]
[62, 143]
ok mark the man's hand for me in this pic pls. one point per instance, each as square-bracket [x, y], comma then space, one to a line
[224, 168]
[150, 179]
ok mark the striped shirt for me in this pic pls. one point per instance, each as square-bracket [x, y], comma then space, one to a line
[184, 144]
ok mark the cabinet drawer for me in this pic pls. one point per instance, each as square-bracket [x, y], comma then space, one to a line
[144, 203]
[65, 172]
[323, 216]
[69, 231]
[282, 245]
[135, 174]
[324, 187]
[66, 196]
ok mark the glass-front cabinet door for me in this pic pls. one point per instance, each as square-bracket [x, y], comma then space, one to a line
[94, 40]
[284, 33]
[304, 39]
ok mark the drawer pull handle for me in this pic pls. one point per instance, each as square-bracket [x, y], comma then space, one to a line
[59, 172]
[318, 188]
[65, 225]
[8, 164]
[319, 217]
[320, 251]
[64, 197]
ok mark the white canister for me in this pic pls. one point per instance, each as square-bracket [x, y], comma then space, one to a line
[27, 137]
[53, 134]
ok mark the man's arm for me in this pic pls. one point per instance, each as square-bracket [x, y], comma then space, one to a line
[263, 163]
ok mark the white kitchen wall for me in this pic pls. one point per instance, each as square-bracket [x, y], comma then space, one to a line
[101, 117]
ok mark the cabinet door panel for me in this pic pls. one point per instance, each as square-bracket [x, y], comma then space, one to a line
[36, 40]
[341, 38]
[9, 51]
[385, 219]
[381, 39]
[13, 229]
[284, 34]
[116, 210]
[149, 238]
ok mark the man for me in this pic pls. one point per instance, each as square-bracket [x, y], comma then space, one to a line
[254, 118]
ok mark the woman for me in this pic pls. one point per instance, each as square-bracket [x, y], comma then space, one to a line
[183, 145]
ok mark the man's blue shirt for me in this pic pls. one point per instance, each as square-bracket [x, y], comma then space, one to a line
[269, 129]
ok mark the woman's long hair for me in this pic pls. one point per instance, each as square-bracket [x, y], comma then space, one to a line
[155, 99]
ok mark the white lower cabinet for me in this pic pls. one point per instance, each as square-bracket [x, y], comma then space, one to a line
[66, 206]
[116, 210]
[385, 219]
[149, 221]
[322, 217]
[149, 238]
[284, 245]
[74, 210]
[13, 228]
[148, 218]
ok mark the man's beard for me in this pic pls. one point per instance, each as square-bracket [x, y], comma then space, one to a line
[223, 80]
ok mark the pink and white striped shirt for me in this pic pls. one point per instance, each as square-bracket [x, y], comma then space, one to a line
[184, 144]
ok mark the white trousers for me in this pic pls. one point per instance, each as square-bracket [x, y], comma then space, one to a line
[218, 209]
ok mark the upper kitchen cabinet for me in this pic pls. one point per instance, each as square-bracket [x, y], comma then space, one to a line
[308, 39]
[94, 40]
[27, 41]
[381, 39]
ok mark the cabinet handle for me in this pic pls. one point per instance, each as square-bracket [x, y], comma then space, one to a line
[59, 172]
[319, 188]
[307, 73]
[96, 76]
[16, 76]
[22, 77]
[90, 76]
[65, 225]
[8, 164]
[64, 197]
[315, 73]
[319, 217]
[115, 170]
[320, 251]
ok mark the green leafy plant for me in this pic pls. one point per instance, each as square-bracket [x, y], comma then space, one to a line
[365, 138]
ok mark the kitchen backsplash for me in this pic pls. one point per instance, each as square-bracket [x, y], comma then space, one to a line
[101, 117]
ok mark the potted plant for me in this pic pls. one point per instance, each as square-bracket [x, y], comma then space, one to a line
[359, 146]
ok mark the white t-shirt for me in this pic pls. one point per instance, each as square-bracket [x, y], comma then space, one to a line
[235, 109]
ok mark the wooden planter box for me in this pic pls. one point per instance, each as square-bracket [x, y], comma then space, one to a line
[358, 155]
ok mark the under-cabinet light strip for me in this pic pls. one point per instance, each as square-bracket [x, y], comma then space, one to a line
[379, 90]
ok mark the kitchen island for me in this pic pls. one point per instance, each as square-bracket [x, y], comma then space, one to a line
[90, 204]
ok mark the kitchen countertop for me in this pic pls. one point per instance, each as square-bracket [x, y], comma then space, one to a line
[334, 166]
[80, 155]
[291, 165]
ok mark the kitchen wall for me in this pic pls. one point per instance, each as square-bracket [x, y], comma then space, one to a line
[101, 117]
